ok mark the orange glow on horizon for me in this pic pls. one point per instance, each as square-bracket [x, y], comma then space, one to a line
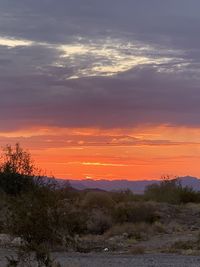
[145, 152]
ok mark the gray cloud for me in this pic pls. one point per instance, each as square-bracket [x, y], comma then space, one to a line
[143, 96]
[174, 21]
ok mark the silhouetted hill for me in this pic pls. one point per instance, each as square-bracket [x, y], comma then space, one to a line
[135, 186]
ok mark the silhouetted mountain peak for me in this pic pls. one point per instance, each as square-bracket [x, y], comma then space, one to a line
[135, 186]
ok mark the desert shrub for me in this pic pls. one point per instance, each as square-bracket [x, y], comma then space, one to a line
[188, 195]
[71, 219]
[70, 194]
[183, 245]
[168, 190]
[31, 219]
[98, 200]
[41, 218]
[4, 211]
[125, 196]
[171, 191]
[98, 222]
[14, 184]
[44, 221]
[134, 212]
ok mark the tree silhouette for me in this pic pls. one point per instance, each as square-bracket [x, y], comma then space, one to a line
[16, 170]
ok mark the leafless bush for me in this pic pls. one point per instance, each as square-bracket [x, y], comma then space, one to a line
[99, 222]
[98, 200]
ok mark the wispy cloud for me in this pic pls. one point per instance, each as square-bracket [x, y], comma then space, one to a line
[104, 164]
[110, 56]
[12, 42]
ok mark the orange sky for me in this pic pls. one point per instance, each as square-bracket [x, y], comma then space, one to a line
[141, 153]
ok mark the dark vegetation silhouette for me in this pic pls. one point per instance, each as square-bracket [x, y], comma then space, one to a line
[46, 215]
[170, 190]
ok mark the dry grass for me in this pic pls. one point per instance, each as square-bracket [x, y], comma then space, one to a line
[139, 231]
[137, 250]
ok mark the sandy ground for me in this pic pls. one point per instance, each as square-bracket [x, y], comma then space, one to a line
[108, 260]
[129, 261]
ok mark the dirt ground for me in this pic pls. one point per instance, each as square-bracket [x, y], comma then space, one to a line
[108, 260]
[129, 261]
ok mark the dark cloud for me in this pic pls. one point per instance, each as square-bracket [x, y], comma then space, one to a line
[173, 21]
[144, 97]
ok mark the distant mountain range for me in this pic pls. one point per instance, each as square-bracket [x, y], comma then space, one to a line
[135, 186]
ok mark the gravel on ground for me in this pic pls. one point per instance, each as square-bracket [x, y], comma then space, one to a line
[111, 260]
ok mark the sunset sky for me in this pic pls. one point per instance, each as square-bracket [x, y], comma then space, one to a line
[102, 89]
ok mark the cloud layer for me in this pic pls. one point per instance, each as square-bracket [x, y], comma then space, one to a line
[106, 64]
